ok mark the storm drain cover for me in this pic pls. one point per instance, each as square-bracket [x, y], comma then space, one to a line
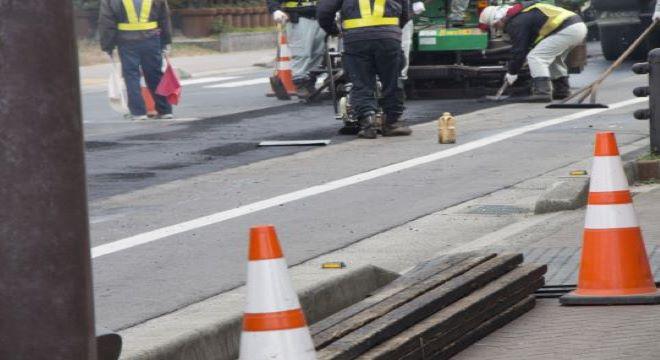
[498, 210]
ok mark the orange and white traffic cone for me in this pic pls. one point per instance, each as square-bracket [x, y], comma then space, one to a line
[274, 325]
[282, 81]
[614, 268]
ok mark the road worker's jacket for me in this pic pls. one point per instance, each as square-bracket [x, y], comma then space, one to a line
[121, 22]
[529, 22]
[365, 19]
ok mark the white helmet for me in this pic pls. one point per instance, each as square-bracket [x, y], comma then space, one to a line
[493, 14]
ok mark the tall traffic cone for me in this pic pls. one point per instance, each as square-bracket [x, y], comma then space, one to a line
[282, 81]
[274, 325]
[614, 268]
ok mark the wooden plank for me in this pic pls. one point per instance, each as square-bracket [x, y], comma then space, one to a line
[395, 321]
[416, 275]
[449, 324]
[387, 301]
[486, 328]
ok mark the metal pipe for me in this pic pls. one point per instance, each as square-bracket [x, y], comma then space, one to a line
[46, 306]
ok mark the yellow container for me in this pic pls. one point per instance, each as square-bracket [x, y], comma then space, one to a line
[447, 129]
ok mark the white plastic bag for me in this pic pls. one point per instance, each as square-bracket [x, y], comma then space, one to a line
[117, 90]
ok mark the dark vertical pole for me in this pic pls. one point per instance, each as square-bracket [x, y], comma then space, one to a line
[46, 304]
[654, 93]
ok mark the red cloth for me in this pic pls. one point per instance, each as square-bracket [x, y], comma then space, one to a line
[514, 10]
[169, 86]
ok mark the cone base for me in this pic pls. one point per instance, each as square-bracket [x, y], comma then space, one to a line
[641, 299]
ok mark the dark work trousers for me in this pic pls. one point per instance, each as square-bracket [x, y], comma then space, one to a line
[364, 60]
[146, 55]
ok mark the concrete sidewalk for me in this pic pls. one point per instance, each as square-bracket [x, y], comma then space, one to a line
[554, 332]
[196, 66]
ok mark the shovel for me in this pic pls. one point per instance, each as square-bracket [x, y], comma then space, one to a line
[499, 96]
[591, 90]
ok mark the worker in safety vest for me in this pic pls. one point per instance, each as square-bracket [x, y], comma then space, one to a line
[305, 37]
[142, 32]
[545, 35]
[372, 47]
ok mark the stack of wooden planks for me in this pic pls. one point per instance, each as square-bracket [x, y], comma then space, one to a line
[434, 311]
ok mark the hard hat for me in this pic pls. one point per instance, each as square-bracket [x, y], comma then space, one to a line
[492, 14]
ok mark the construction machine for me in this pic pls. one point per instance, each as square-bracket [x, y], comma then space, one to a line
[459, 62]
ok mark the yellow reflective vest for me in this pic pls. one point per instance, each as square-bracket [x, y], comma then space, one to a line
[134, 23]
[556, 17]
[371, 17]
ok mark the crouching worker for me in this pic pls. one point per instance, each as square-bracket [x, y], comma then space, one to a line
[545, 35]
[141, 30]
[305, 37]
[372, 48]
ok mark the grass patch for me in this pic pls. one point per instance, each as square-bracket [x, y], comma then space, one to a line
[650, 156]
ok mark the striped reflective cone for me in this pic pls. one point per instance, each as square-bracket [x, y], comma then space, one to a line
[274, 326]
[284, 71]
[614, 268]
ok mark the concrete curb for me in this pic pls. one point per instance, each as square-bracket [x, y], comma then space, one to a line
[245, 41]
[235, 41]
[567, 194]
[572, 193]
[211, 329]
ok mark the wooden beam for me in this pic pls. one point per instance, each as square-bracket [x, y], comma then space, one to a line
[393, 321]
[449, 324]
[416, 275]
[486, 328]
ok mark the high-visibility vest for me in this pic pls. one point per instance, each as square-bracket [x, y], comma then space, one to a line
[556, 17]
[371, 17]
[134, 23]
[297, 4]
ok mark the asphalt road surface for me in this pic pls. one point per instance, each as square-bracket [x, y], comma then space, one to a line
[171, 202]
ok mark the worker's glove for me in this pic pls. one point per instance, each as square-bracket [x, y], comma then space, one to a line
[656, 16]
[280, 17]
[167, 50]
[418, 7]
[510, 78]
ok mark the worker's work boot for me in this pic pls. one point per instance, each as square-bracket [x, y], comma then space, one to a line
[393, 126]
[561, 89]
[367, 129]
[541, 91]
[302, 88]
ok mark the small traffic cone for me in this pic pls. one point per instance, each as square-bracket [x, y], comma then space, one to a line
[149, 102]
[282, 81]
[274, 325]
[614, 268]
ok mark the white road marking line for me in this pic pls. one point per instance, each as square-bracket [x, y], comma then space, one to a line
[207, 80]
[236, 84]
[219, 217]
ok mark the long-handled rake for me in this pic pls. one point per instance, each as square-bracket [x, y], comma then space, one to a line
[591, 90]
